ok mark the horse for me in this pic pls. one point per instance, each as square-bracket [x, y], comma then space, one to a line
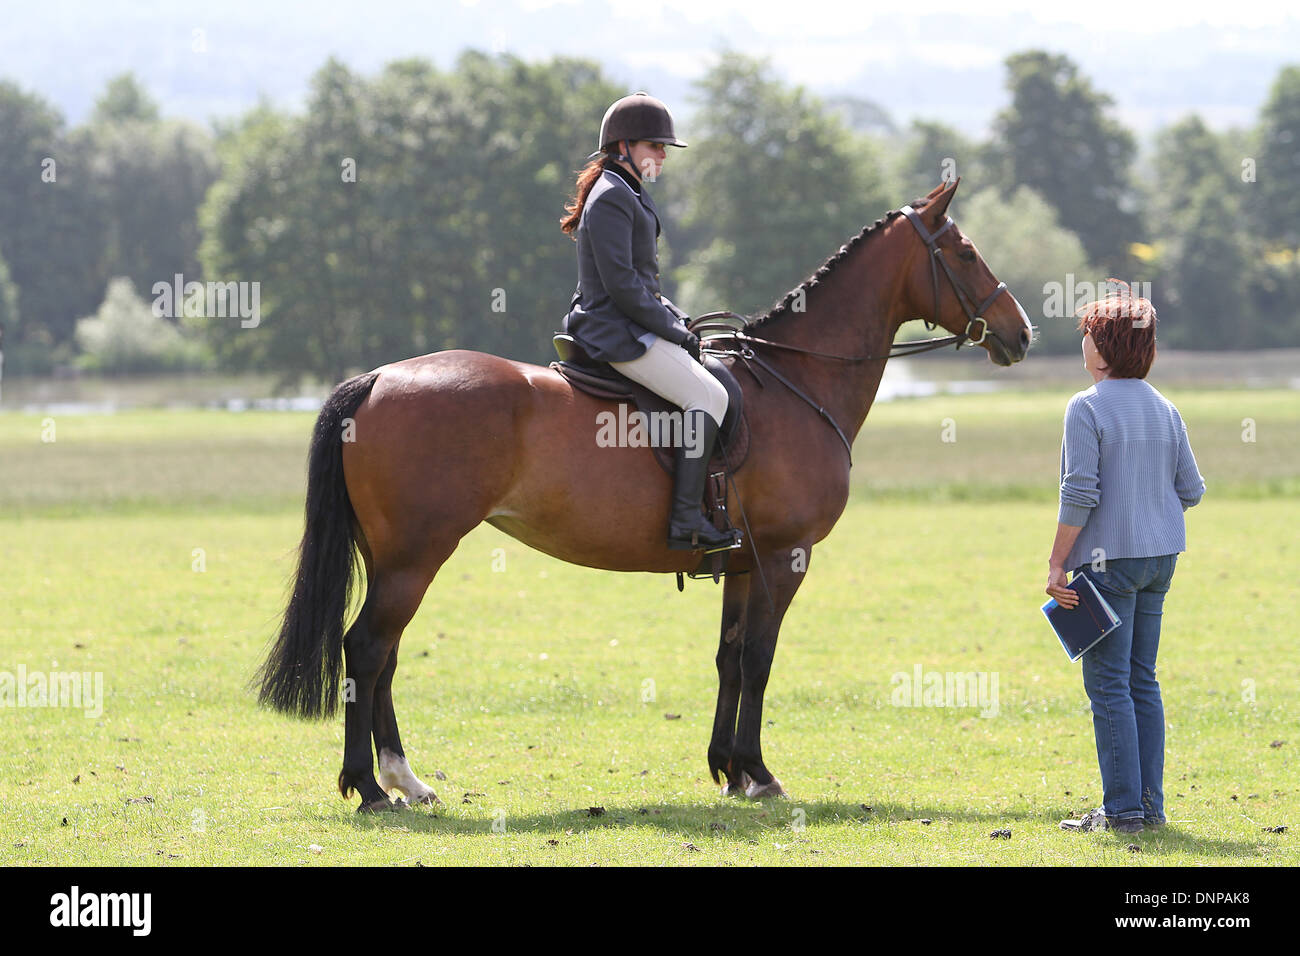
[407, 459]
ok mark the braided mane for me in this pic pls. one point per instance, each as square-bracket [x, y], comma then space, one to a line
[783, 306]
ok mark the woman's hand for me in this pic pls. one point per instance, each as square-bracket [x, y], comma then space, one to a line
[1056, 587]
[1066, 535]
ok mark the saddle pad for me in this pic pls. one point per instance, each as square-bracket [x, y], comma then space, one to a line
[624, 390]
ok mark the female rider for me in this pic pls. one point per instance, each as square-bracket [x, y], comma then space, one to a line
[619, 315]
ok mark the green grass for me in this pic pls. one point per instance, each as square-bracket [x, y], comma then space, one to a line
[1006, 447]
[533, 714]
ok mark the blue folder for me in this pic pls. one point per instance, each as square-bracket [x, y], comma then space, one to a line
[1083, 625]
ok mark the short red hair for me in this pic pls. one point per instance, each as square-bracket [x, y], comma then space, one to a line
[1123, 328]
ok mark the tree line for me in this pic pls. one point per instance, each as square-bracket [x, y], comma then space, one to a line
[417, 210]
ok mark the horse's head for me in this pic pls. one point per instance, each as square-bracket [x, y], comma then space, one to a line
[948, 282]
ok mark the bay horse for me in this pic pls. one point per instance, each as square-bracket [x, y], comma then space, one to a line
[407, 459]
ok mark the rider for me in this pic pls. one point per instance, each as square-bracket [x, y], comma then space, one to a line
[619, 315]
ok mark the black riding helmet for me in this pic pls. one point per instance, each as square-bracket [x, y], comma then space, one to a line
[638, 116]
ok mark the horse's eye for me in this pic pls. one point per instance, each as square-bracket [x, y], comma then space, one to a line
[967, 255]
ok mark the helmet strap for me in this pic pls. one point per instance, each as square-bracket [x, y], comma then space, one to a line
[625, 154]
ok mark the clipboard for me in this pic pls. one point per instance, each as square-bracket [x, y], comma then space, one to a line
[1081, 627]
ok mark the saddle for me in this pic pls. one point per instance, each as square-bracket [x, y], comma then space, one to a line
[600, 380]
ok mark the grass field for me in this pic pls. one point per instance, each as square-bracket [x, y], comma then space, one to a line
[154, 548]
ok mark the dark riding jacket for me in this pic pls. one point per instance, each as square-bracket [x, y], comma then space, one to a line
[618, 297]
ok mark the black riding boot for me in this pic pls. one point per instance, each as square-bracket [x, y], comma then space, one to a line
[688, 530]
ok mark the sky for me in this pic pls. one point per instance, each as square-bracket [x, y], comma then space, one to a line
[841, 17]
[936, 59]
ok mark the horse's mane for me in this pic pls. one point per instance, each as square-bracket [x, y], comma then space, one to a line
[782, 306]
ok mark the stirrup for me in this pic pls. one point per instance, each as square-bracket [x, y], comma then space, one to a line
[681, 544]
[737, 542]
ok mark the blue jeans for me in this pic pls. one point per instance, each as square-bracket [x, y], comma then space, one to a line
[1119, 674]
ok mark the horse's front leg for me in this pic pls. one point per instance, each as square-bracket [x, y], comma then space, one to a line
[735, 595]
[763, 625]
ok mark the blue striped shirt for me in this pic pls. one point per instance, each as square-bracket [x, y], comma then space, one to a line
[1127, 473]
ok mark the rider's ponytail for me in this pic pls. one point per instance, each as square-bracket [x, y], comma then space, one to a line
[586, 179]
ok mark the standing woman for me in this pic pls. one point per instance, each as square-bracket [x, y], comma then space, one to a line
[1127, 476]
[618, 314]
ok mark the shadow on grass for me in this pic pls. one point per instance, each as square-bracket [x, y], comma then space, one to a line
[744, 821]
[1173, 839]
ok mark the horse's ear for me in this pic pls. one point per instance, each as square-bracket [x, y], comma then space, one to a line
[943, 196]
[935, 191]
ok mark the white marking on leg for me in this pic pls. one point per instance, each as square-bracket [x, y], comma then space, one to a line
[395, 774]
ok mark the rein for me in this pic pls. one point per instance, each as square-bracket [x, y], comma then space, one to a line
[748, 355]
[724, 324]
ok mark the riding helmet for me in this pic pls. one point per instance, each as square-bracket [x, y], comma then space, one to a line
[638, 116]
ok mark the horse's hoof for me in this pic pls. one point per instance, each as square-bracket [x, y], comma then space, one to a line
[382, 805]
[427, 800]
[738, 787]
[761, 791]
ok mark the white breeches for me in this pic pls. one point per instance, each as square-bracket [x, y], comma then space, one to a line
[669, 371]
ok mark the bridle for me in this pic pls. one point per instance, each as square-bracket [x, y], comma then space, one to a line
[931, 240]
[722, 324]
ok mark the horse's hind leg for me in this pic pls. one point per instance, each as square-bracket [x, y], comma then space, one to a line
[369, 647]
[394, 772]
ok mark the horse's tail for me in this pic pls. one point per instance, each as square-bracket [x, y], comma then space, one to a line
[301, 673]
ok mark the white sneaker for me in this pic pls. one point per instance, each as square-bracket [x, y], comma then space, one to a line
[1091, 821]
[1095, 820]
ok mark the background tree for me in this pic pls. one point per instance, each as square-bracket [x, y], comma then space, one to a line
[124, 100]
[862, 115]
[1205, 275]
[417, 209]
[257, 225]
[124, 336]
[414, 212]
[773, 184]
[46, 239]
[1200, 257]
[147, 177]
[1277, 201]
[117, 196]
[1058, 138]
[535, 124]
[8, 308]
[928, 150]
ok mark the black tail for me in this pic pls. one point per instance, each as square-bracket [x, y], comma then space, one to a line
[301, 674]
